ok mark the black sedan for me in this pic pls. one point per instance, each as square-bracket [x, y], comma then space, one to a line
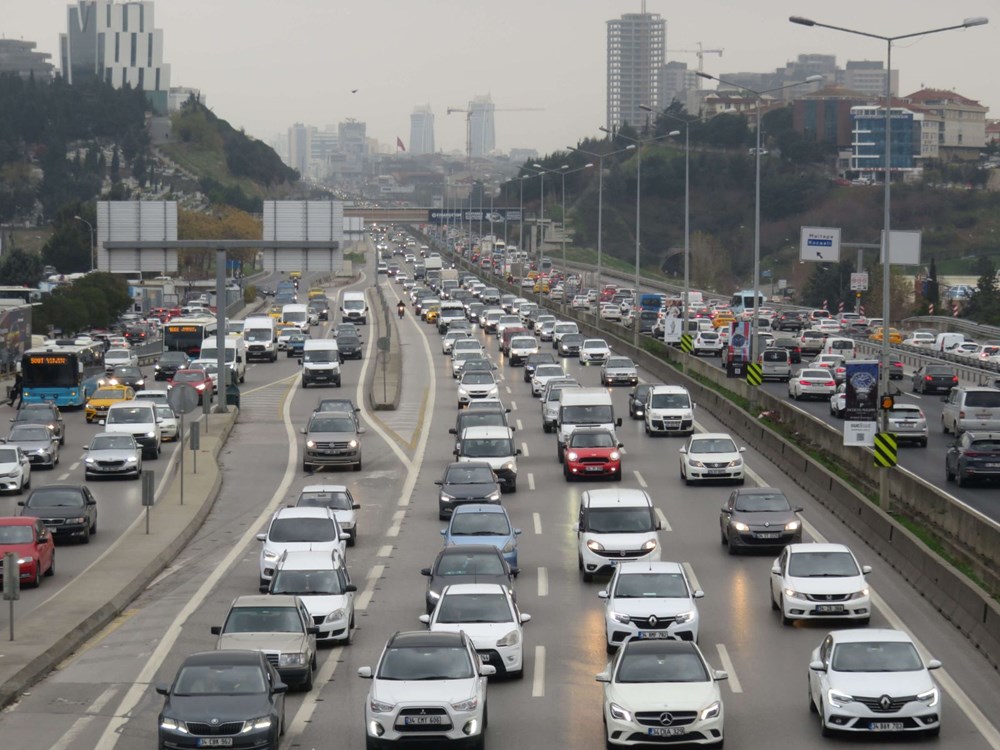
[755, 517]
[533, 360]
[125, 375]
[637, 401]
[349, 346]
[466, 563]
[168, 364]
[46, 414]
[973, 456]
[570, 344]
[790, 321]
[934, 379]
[223, 699]
[65, 509]
[469, 482]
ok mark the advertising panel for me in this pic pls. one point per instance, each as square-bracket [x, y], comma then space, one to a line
[861, 403]
[15, 336]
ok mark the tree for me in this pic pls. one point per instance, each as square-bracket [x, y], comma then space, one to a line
[932, 294]
[19, 268]
[984, 305]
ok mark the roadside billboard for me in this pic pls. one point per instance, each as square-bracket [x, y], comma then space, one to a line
[15, 335]
[861, 403]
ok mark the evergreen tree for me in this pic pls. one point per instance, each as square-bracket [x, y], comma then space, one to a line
[933, 293]
[984, 306]
[19, 268]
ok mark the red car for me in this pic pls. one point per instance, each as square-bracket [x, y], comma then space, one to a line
[28, 538]
[593, 453]
[197, 379]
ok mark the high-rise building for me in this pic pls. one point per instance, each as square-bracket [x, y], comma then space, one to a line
[482, 133]
[867, 77]
[868, 147]
[422, 130]
[300, 148]
[636, 47]
[19, 58]
[116, 43]
[678, 83]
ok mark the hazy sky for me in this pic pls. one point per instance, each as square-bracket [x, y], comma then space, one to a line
[264, 65]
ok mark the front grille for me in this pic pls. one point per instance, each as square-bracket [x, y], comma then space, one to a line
[336, 445]
[53, 521]
[827, 597]
[620, 553]
[417, 713]
[318, 619]
[594, 460]
[273, 659]
[229, 727]
[716, 465]
[679, 739]
[643, 623]
[653, 718]
[110, 464]
[875, 704]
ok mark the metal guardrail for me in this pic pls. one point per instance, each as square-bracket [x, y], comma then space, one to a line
[950, 323]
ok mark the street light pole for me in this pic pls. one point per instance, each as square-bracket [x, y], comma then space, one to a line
[887, 197]
[520, 233]
[90, 237]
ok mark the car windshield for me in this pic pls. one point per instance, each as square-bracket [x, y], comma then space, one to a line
[983, 399]
[469, 564]
[263, 620]
[331, 424]
[479, 524]
[548, 371]
[319, 356]
[426, 663]
[619, 520]
[876, 656]
[127, 372]
[684, 666]
[566, 328]
[29, 433]
[118, 354]
[594, 344]
[651, 586]
[670, 401]
[712, 445]
[763, 503]
[307, 583]
[55, 497]
[221, 680]
[594, 414]
[163, 411]
[522, 342]
[335, 500]
[470, 608]
[130, 415]
[481, 418]
[302, 530]
[173, 358]
[486, 447]
[348, 339]
[335, 404]
[465, 474]
[109, 393]
[620, 362]
[112, 443]
[8, 456]
[592, 440]
[822, 565]
[477, 378]
[189, 376]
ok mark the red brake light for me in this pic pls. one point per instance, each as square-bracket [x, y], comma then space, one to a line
[928, 378]
[973, 454]
[830, 382]
[954, 378]
[805, 382]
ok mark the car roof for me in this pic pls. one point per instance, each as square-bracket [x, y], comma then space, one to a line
[224, 656]
[324, 487]
[425, 639]
[660, 388]
[661, 646]
[310, 560]
[486, 432]
[264, 600]
[816, 547]
[302, 512]
[867, 635]
[459, 589]
[467, 465]
[712, 435]
[478, 508]
[609, 498]
[639, 566]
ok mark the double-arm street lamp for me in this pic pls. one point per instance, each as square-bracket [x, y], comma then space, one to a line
[90, 238]
[758, 95]
[562, 172]
[886, 222]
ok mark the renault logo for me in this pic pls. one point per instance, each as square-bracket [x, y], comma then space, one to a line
[653, 622]
[666, 719]
[885, 702]
[766, 524]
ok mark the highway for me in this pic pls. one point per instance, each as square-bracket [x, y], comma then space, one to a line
[102, 697]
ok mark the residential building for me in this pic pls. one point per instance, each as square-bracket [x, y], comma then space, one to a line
[678, 83]
[482, 130]
[868, 147]
[960, 122]
[636, 48]
[117, 43]
[422, 131]
[825, 115]
[993, 131]
[867, 77]
[19, 57]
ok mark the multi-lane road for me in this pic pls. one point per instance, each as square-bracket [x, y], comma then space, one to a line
[103, 696]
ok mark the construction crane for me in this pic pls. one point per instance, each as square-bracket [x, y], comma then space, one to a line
[468, 123]
[700, 52]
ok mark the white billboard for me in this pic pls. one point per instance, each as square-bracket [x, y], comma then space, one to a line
[820, 244]
[904, 248]
[136, 221]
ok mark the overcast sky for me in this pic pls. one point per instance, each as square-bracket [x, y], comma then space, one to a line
[265, 64]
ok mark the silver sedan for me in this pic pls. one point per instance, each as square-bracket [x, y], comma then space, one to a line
[111, 455]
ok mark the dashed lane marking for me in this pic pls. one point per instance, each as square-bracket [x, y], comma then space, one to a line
[663, 519]
[538, 681]
[727, 664]
[543, 581]
[531, 481]
[385, 550]
[639, 479]
[692, 578]
[537, 520]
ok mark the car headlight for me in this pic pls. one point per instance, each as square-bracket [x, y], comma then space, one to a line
[929, 697]
[25, 560]
[291, 660]
[792, 526]
[615, 455]
[792, 594]
[173, 725]
[469, 705]
[510, 546]
[151, 434]
[837, 698]
[434, 595]
[861, 594]
[131, 460]
[696, 464]
[156, 367]
[88, 461]
[379, 707]
[510, 466]
[624, 619]
[139, 382]
[263, 722]
[352, 444]
[494, 496]
[594, 546]
[572, 456]
[649, 545]
[712, 711]
[270, 555]
[740, 526]
[78, 519]
[684, 617]
[511, 639]
[735, 462]
[337, 614]
[310, 443]
[445, 497]
[619, 713]
[200, 386]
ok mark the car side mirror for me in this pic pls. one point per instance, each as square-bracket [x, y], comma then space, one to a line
[726, 510]
[720, 674]
[796, 510]
[621, 445]
[263, 588]
[443, 532]
[743, 450]
[452, 431]
[102, 421]
[86, 447]
[683, 451]
[866, 569]
[304, 431]
[517, 451]
[603, 677]
[618, 422]
[425, 572]
[698, 594]
[163, 689]
[350, 588]
[261, 537]
[525, 618]
[943, 398]
[365, 673]
[425, 619]
[355, 506]
[279, 687]
[300, 361]
[817, 666]
[776, 570]
[602, 594]
[487, 670]
[216, 630]
[934, 664]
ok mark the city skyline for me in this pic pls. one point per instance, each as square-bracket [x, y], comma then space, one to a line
[375, 72]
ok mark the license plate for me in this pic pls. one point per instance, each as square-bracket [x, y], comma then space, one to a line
[655, 635]
[992, 466]
[885, 726]
[215, 742]
[595, 468]
[768, 535]
[829, 607]
[665, 731]
[421, 720]
[715, 472]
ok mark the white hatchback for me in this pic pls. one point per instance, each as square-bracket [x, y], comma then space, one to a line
[594, 350]
[298, 529]
[816, 581]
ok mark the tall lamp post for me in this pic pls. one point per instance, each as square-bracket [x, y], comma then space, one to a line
[562, 172]
[91, 238]
[758, 95]
[541, 220]
[887, 196]
[520, 232]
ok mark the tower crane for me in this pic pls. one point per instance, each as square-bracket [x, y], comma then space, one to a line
[700, 52]
[468, 123]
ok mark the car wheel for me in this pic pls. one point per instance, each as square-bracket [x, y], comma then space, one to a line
[567, 475]
[770, 591]
[587, 577]
[371, 743]
[37, 581]
[959, 482]
[617, 476]
[52, 566]
[307, 684]
[923, 443]
[948, 475]
[785, 620]
[86, 536]
[306, 467]
[546, 428]
[944, 427]
[357, 466]
[559, 454]
[823, 728]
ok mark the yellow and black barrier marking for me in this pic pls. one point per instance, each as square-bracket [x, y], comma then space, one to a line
[885, 449]
[755, 374]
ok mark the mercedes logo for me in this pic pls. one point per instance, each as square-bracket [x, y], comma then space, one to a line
[885, 702]
[214, 722]
[666, 718]
[653, 621]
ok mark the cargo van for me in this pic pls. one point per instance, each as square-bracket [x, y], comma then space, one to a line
[320, 362]
[948, 341]
[296, 315]
[583, 407]
[845, 347]
[669, 410]
[261, 337]
[236, 356]
[354, 308]
[971, 409]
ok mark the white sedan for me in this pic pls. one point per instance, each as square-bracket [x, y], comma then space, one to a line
[873, 681]
[838, 401]
[169, 425]
[487, 614]
[811, 383]
[543, 374]
[647, 675]
[709, 456]
[611, 311]
[15, 469]
[594, 350]
[815, 581]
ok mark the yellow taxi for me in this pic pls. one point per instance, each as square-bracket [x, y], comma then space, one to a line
[431, 315]
[895, 336]
[102, 399]
[295, 274]
[316, 292]
[541, 286]
[275, 311]
[723, 320]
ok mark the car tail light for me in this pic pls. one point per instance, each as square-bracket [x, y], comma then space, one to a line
[973, 454]
[961, 415]
[954, 378]
[928, 378]
[805, 382]
[830, 382]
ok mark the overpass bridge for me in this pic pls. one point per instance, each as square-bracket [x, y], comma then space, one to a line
[384, 215]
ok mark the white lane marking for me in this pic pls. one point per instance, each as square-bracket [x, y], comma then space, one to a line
[64, 476]
[376, 571]
[398, 516]
[524, 450]
[393, 531]
[323, 676]
[692, 578]
[507, 388]
[513, 405]
[102, 700]
[519, 425]
[543, 581]
[72, 733]
[727, 664]
[537, 519]
[112, 732]
[385, 550]
[74, 466]
[663, 520]
[531, 481]
[639, 479]
[538, 681]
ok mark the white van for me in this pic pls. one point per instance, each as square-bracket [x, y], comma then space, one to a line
[236, 355]
[139, 420]
[583, 407]
[354, 308]
[296, 315]
[846, 348]
[948, 341]
[972, 408]
[261, 338]
[669, 410]
[320, 362]
[615, 526]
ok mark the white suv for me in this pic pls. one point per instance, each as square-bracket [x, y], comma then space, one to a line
[298, 529]
[427, 686]
[615, 526]
[669, 410]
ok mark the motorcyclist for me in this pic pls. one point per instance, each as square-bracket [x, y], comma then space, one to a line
[401, 308]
